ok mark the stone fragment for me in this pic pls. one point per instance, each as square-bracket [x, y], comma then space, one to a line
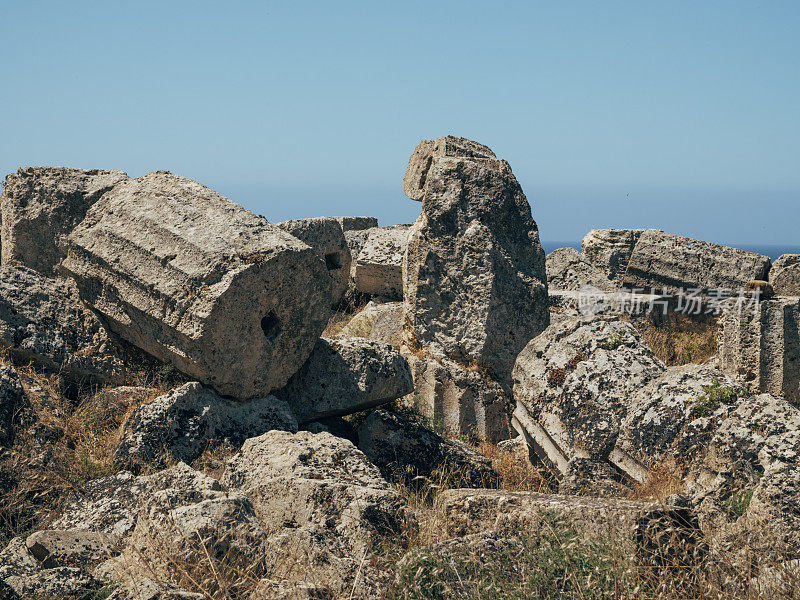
[329, 502]
[573, 385]
[785, 275]
[759, 345]
[610, 250]
[422, 158]
[325, 235]
[111, 505]
[568, 271]
[64, 583]
[673, 416]
[379, 265]
[42, 205]
[475, 287]
[343, 376]
[403, 451]
[637, 526]
[380, 322]
[43, 320]
[662, 261]
[198, 281]
[12, 401]
[72, 548]
[356, 223]
[750, 473]
[464, 402]
[179, 425]
[269, 589]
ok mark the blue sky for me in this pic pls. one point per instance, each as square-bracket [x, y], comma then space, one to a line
[680, 115]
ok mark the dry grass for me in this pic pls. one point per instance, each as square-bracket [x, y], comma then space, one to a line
[681, 339]
[663, 481]
[516, 473]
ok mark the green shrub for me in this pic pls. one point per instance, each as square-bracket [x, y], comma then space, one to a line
[714, 396]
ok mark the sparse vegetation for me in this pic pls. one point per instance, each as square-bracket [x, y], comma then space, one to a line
[713, 397]
[681, 339]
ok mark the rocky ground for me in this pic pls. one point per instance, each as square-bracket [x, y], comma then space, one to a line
[197, 403]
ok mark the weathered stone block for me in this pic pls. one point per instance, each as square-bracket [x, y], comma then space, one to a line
[356, 223]
[610, 249]
[42, 205]
[346, 375]
[325, 235]
[44, 321]
[568, 271]
[785, 275]
[759, 345]
[379, 266]
[664, 261]
[475, 287]
[198, 281]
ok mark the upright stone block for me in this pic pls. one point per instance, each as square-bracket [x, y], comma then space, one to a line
[759, 345]
[196, 280]
[42, 205]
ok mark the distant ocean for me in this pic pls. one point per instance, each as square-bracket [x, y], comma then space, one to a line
[767, 249]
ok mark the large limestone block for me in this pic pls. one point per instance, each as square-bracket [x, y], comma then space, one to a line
[198, 281]
[664, 261]
[637, 526]
[43, 320]
[381, 322]
[754, 454]
[567, 270]
[42, 205]
[463, 402]
[330, 505]
[179, 425]
[610, 249]
[785, 275]
[422, 158]
[325, 235]
[346, 375]
[356, 223]
[379, 265]
[403, 451]
[573, 385]
[475, 287]
[673, 416]
[759, 345]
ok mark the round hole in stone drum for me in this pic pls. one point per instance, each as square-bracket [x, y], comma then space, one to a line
[270, 326]
[333, 261]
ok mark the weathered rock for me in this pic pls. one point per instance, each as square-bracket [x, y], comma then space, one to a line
[179, 425]
[636, 525]
[610, 249]
[754, 452]
[759, 345]
[674, 415]
[198, 281]
[344, 376]
[64, 583]
[42, 205]
[329, 502]
[325, 235]
[475, 287]
[379, 264]
[591, 477]
[403, 450]
[421, 160]
[662, 261]
[573, 386]
[43, 320]
[356, 223]
[72, 548]
[111, 505]
[464, 402]
[568, 271]
[378, 322]
[15, 560]
[12, 401]
[785, 275]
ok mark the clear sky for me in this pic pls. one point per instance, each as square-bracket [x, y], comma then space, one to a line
[683, 115]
